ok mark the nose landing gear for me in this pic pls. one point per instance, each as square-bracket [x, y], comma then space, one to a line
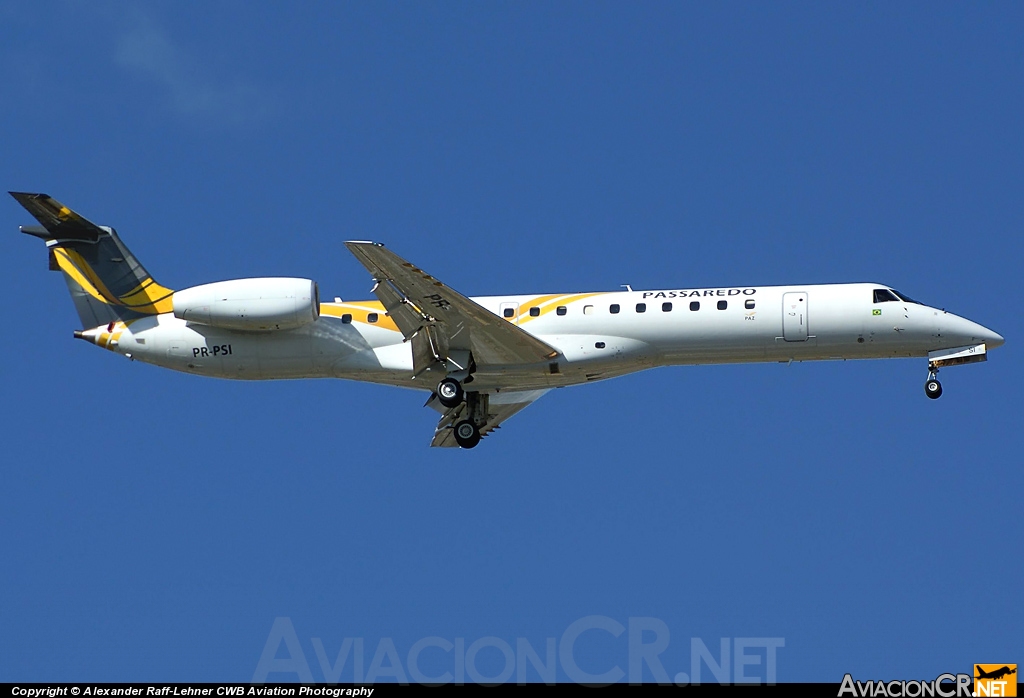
[932, 386]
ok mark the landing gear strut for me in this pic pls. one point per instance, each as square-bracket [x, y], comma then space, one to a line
[450, 393]
[932, 386]
[467, 430]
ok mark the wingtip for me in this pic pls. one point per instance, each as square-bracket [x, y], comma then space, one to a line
[364, 242]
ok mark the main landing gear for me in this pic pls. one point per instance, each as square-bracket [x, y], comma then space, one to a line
[451, 394]
[932, 386]
[467, 434]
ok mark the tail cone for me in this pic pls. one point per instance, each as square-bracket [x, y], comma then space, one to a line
[92, 336]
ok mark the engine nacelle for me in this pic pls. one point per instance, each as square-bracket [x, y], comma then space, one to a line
[250, 304]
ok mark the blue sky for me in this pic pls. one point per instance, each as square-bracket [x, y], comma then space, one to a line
[154, 525]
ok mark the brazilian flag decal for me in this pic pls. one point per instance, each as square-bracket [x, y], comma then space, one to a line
[876, 311]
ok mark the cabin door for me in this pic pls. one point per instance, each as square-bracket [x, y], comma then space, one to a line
[794, 317]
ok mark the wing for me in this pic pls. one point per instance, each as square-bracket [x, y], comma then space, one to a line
[443, 325]
[500, 407]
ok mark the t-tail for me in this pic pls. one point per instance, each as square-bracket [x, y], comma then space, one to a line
[107, 283]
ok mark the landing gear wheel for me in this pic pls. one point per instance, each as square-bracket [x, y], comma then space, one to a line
[449, 392]
[933, 388]
[466, 434]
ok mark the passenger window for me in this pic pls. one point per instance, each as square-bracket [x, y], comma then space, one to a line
[722, 305]
[599, 345]
[884, 295]
[666, 307]
[694, 305]
[346, 318]
[561, 310]
[372, 317]
[588, 310]
[534, 311]
[613, 308]
[641, 307]
[508, 312]
[749, 305]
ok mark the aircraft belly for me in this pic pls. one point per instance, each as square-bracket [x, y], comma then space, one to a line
[725, 340]
[714, 345]
[598, 349]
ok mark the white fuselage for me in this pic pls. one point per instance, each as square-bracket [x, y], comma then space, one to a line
[359, 341]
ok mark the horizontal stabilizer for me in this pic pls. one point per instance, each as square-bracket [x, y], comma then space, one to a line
[60, 222]
[36, 231]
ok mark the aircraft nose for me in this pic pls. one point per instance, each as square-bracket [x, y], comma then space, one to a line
[992, 339]
[973, 333]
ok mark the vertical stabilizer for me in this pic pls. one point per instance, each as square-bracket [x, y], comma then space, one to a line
[106, 281]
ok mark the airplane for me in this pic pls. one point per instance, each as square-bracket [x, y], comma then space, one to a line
[996, 673]
[481, 359]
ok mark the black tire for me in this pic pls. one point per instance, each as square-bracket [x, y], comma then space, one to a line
[466, 434]
[449, 392]
[933, 388]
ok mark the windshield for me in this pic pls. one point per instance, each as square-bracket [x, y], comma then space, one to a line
[905, 299]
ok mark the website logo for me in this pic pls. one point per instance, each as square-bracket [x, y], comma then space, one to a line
[995, 679]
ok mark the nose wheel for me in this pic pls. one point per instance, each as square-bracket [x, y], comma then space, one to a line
[932, 386]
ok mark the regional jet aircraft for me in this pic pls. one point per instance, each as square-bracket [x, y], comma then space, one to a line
[481, 359]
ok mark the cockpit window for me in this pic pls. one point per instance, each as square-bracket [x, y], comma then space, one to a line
[884, 295]
[905, 299]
